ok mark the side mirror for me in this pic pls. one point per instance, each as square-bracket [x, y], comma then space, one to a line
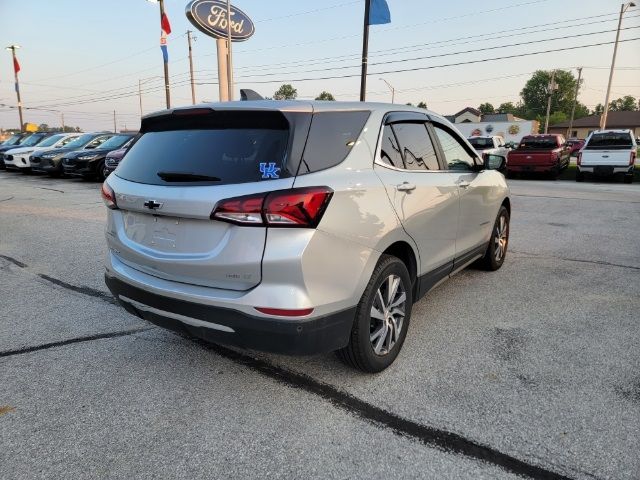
[495, 162]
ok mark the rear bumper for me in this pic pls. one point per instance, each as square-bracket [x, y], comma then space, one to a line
[606, 170]
[533, 168]
[223, 325]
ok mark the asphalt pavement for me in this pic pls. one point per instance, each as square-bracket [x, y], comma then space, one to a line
[529, 372]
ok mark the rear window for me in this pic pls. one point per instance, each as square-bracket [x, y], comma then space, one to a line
[538, 143]
[217, 148]
[610, 140]
[331, 137]
[479, 142]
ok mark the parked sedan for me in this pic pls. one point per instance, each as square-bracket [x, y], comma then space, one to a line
[19, 158]
[29, 141]
[91, 164]
[51, 161]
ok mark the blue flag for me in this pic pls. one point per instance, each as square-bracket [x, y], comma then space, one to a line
[379, 13]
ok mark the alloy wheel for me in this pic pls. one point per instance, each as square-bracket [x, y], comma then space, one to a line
[501, 238]
[387, 315]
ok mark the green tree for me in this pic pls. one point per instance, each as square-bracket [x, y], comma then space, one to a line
[285, 92]
[598, 110]
[43, 127]
[486, 108]
[554, 118]
[325, 96]
[410, 104]
[534, 94]
[507, 107]
[422, 105]
[624, 104]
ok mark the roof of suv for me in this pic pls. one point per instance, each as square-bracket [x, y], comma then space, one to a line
[301, 106]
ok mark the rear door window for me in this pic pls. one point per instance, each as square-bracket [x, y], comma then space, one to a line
[416, 146]
[390, 150]
[456, 155]
[219, 148]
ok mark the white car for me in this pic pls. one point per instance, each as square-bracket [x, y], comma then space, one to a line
[489, 145]
[18, 158]
[607, 153]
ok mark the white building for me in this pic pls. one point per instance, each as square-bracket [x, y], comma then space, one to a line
[471, 122]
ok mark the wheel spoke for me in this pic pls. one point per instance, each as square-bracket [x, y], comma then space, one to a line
[379, 344]
[381, 300]
[393, 283]
[376, 334]
[401, 298]
[377, 314]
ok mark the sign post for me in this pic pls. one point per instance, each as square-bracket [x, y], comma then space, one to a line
[226, 23]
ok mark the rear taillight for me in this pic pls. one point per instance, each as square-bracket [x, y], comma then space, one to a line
[297, 207]
[579, 159]
[285, 312]
[108, 196]
[632, 158]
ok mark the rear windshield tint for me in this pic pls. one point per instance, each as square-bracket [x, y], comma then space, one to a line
[218, 148]
[610, 140]
[481, 142]
[538, 143]
[331, 137]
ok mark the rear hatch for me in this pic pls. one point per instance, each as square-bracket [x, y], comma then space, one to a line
[182, 165]
[607, 149]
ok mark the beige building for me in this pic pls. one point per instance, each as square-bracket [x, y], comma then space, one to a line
[582, 127]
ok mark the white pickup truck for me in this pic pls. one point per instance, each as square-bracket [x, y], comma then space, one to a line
[607, 153]
[489, 144]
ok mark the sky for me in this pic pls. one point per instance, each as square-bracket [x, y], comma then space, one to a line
[84, 58]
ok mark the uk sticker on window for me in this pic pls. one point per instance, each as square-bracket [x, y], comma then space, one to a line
[269, 170]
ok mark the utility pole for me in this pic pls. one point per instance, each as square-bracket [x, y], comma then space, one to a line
[16, 69]
[393, 90]
[603, 118]
[140, 95]
[193, 88]
[550, 89]
[229, 54]
[62, 119]
[365, 52]
[115, 129]
[575, 100]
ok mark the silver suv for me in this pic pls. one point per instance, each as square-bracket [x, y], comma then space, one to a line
[298, 227]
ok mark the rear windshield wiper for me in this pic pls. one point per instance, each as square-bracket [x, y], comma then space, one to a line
[186, 177]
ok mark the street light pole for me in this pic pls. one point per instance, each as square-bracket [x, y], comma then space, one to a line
[15, 72]
[603, 119]
[393, 90]
[575, 100]
[193, 88]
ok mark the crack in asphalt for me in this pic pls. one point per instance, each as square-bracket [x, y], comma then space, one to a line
[89, 338]
[579, 260]
[442, 440]
[52, 189]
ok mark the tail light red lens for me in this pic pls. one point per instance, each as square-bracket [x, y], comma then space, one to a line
[108, 196]
[297, 207]
[632, 158]
[579, 159]
[285, 312]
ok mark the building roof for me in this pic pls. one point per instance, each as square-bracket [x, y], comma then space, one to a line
[470, 110]
[500, 117]
[614, 120]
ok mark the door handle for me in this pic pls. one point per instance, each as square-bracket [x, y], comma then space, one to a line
[405, 187]
[463, 184]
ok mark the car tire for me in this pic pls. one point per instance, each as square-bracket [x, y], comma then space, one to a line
[579, 176]
[498, 243]
[100, 172]
[628, 178]
[364, 352]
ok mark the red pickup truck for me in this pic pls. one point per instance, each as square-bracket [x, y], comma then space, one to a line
[541, 154]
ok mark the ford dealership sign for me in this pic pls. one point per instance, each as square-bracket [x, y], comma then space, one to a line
[210, 17]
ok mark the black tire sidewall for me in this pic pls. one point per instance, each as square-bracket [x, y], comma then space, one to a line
[390, 265]
[492, 263]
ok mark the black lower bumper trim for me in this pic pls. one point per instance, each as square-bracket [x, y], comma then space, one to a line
[293, 337]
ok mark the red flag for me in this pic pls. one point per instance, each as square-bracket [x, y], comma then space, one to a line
[16, 65]
[164, 24]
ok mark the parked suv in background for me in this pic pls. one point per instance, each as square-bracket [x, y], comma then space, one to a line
[113, 158]
[51, 161]
[607, 153]
[575, 144]
[31, 141]
[90, 164]
[298, 227]
[489, 144]
[19, 158]
[547, 154]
